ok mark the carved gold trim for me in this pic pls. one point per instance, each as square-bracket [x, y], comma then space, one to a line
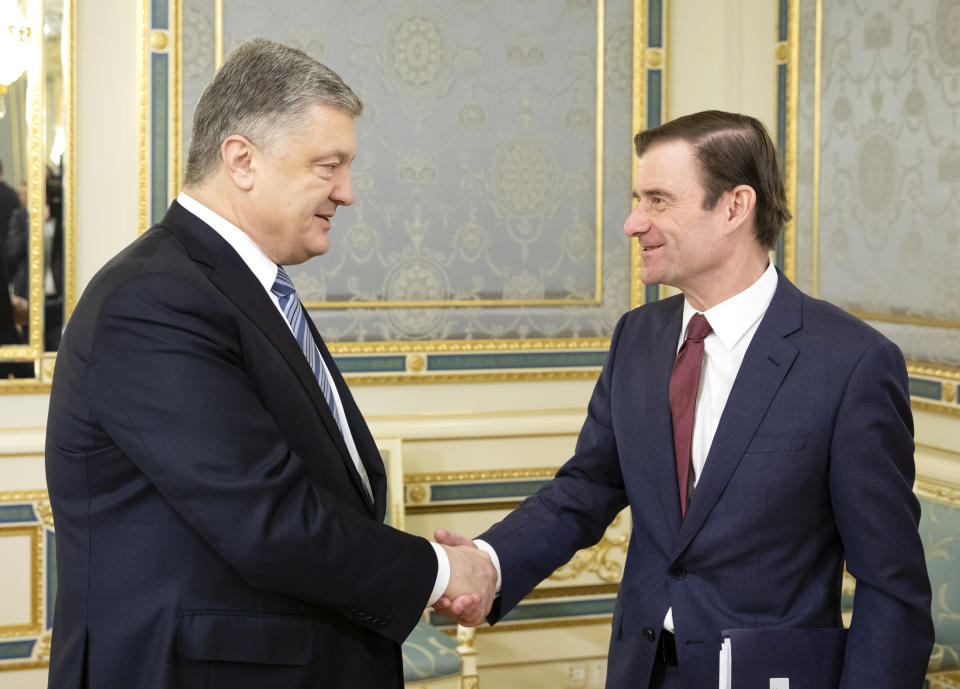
[598, 559]
[817, 105]
[217, 35]
[598, 176]
[571, 591]
[924, 321]
[938, 491]
[469, 346]
[486, 475]
[792, 52]
[143, 109]
[507, 626]
[639, 122]
[34, 626]
[159, 39]
[70, 162]
[176, 98]
[491, 377]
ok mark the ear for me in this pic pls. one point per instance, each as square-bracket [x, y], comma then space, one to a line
[237, 154]
[740, 203]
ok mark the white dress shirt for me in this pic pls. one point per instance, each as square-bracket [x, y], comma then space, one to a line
[265, 270]
[734, 323]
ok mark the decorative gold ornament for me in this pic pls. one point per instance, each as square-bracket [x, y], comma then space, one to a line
[416, 363]
[159, 40]
[601, 559]
[782, 52]
[417, 493]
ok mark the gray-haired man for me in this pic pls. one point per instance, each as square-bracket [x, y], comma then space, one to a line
[218, 497]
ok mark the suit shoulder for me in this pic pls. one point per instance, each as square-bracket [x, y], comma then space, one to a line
[833, 321]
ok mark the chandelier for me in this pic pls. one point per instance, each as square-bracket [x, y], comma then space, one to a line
[14, 48]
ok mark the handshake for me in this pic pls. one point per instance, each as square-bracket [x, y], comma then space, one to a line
[473, 580]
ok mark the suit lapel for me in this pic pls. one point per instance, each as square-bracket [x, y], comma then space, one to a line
[233, 278]
[766, 363]
[655, 393]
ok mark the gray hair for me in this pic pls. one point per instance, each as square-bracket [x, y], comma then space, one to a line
[261, 92]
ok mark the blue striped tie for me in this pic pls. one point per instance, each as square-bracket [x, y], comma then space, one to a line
[293, 312]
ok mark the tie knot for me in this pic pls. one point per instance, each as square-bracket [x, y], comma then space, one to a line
[282, 287]
[698, 327]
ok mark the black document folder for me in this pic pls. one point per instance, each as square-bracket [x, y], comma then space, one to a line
[778, 658]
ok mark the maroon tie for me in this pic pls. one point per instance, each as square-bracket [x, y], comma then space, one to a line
[684, 383]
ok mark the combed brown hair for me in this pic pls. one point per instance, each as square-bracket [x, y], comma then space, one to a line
[261, 92]
[732, 149]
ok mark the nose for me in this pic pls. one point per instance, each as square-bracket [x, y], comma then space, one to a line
[637, 222]
[343, 190]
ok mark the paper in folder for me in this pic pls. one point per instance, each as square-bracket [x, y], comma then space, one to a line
[775, 658]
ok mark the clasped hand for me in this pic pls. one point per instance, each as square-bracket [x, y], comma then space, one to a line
[473, 581]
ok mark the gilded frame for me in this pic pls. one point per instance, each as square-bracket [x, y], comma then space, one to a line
[28, 514]
[160, 142]
[933, 387]
[44, 361]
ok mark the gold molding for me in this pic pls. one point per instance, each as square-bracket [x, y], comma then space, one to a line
[507, 626]
[924, 321]
[938, 491]
[599, 558]
[639, 122]
[817, 105]
[598, 203]
[143, 109]
[176, 98]
[791, 136]
[217, 34]
[572, 591]
[488, 377]
[468, 346]
[486, 475]
[950, 373]
[70, 162]
[159, 39]
[34, 626]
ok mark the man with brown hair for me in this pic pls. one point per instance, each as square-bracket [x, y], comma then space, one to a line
[760, 438]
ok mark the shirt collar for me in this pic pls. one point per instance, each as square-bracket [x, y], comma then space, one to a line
[733, 318]
[259, 263]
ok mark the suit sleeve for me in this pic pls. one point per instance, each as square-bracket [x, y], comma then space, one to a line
[569, 513]
[871, 479]
[166, 382]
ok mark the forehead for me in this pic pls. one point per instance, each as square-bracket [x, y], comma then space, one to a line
[326, 128]
[670, 166]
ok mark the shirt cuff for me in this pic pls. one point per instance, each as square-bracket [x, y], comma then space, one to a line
[488, 549]
[443, 574]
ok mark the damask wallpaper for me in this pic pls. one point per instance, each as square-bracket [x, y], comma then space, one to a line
[889, 175]
[478, 167]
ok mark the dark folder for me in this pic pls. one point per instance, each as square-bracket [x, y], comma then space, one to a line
[777, 658]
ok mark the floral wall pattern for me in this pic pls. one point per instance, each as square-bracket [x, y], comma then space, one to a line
[889, 175]
[476, 175]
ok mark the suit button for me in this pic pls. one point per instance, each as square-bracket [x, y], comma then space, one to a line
[649, 634]
[677, 572]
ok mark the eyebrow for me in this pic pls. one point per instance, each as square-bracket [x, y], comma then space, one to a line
[654, 192]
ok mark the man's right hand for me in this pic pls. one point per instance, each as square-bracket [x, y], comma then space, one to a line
[473, 581]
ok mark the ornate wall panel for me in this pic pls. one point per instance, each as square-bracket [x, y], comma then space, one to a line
[28, 550]
[878, 171]
[493, 173]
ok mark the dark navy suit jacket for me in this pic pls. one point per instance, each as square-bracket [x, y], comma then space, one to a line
[212, 530]
[812, 463]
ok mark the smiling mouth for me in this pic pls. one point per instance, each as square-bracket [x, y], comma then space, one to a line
[650, 247]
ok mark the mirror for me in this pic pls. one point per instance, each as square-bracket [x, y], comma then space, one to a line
[36, 146]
